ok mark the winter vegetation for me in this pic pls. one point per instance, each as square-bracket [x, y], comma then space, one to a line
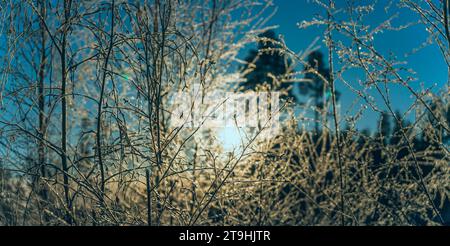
[118, 112]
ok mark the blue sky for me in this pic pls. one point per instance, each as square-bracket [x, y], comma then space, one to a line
[428, 62]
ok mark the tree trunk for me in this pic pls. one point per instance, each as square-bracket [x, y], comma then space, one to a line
[66, 23]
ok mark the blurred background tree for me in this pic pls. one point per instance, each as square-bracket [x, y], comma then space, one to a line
[315, 86]
[268, 65]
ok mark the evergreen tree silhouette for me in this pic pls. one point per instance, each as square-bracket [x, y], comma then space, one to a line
[385, 127]
[316, 72]
[441, 109]
[267, 59]
[398, 128]
[383, 137]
